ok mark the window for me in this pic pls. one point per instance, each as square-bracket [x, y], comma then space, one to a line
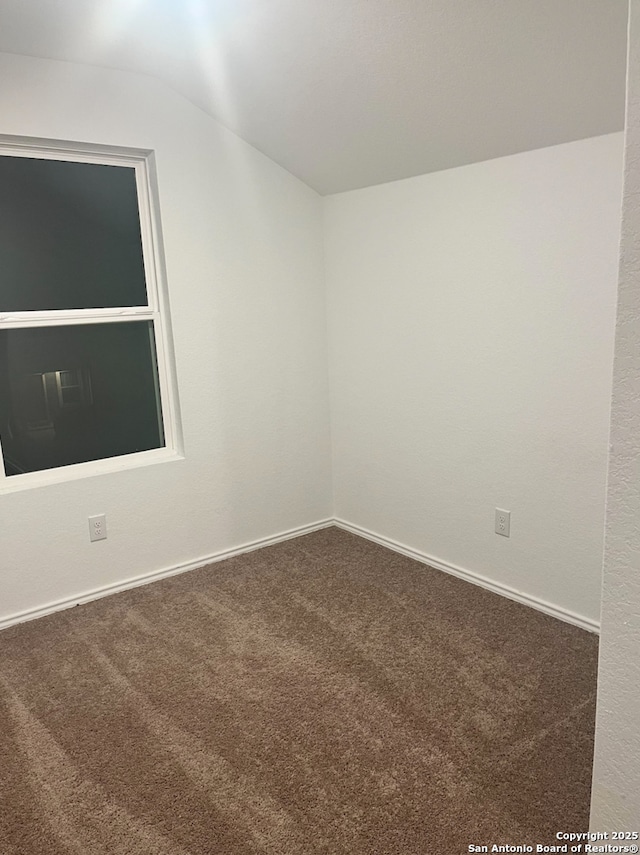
[85, 379]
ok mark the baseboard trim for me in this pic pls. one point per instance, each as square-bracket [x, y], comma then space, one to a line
[155, 575]
[144, 579]
[475, 578]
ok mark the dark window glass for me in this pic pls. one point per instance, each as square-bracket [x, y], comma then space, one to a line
[69, 236]
[70, 394]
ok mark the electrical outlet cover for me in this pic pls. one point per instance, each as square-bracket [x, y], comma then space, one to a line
[503, 522]
[98, 527]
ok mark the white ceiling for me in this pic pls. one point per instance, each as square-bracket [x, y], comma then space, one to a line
[348, 93]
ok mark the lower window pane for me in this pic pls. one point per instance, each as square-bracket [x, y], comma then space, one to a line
[71, 394]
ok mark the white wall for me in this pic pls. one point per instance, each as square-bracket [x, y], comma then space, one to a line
[616, 779]
[244, 258]
[471, 319]
[471, 341]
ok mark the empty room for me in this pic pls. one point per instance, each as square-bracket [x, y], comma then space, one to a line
[319, 427]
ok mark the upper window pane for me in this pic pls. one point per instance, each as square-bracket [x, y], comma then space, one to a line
[69, 236]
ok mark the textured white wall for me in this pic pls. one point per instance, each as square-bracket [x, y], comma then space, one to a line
[244, 258]
[616, 780]
[472, 317]
[471, 337]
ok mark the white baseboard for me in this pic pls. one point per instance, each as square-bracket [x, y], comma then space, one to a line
[145, 578]
[469, 576]
[438, 564]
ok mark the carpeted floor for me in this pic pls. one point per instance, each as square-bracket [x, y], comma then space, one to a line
[323, 695]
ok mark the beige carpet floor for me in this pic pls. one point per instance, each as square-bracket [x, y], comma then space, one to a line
[324, 695]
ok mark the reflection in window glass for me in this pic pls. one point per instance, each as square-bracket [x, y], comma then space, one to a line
[71, 394]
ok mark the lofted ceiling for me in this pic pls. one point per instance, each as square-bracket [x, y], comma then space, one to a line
[348, 93]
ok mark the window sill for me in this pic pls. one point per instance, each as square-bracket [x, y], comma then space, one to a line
[78, 471]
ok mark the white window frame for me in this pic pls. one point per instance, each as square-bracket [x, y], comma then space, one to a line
[156, 311]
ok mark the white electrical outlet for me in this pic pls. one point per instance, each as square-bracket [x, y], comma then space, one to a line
[98, 527]
[503, 522]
